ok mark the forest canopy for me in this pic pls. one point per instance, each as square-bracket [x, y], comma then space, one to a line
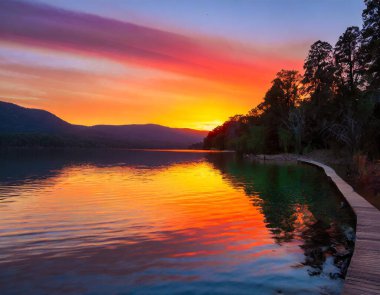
[335, 103]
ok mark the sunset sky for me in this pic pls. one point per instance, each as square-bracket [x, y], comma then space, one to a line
[178, 63]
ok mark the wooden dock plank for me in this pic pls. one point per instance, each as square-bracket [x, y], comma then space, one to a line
[363, 276]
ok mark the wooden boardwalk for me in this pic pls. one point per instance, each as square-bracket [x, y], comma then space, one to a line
[363, 276]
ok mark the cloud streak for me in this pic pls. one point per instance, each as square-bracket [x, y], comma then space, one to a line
[53, 28]
[160, 75]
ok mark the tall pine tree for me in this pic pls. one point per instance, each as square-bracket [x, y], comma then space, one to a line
[370, 49]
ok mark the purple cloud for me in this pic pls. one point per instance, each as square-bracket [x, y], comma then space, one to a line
[50, 27]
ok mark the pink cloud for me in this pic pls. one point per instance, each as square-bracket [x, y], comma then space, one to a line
[53, 28]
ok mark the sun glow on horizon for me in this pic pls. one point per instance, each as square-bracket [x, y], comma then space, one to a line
[102, 69]
[208, 126]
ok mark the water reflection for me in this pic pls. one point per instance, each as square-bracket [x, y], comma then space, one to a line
[161, 222]
[297, 203]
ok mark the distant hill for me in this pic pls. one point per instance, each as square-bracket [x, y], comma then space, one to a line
[21, 126]
[16, 119]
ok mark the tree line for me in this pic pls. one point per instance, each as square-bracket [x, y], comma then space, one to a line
[334, 104]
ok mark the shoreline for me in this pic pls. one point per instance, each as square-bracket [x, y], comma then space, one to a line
[364, 269]
[368, 187]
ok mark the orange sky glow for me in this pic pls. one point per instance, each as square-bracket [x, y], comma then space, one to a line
[90, 69]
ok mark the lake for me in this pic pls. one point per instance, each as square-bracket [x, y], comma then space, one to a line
[168, 222]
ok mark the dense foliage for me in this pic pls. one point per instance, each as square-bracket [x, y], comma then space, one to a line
[334, 104]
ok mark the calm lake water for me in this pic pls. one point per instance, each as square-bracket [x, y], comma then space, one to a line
[156, 222]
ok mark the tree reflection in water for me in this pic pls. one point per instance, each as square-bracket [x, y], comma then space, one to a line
[299, 204]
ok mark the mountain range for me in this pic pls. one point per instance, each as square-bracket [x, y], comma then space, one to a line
[21, 126]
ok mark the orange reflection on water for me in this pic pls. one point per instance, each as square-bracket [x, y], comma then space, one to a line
[108, 203]
[177, 221]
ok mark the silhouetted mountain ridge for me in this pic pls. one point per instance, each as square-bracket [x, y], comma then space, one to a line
[16, 119]
[21, 126]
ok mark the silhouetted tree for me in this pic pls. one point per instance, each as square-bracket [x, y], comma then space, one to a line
[347, 61]
[370, 49]
[283, 94]
[319, 68]
[278, 101]
[319, 89]
[335, 103]
[296, 126]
